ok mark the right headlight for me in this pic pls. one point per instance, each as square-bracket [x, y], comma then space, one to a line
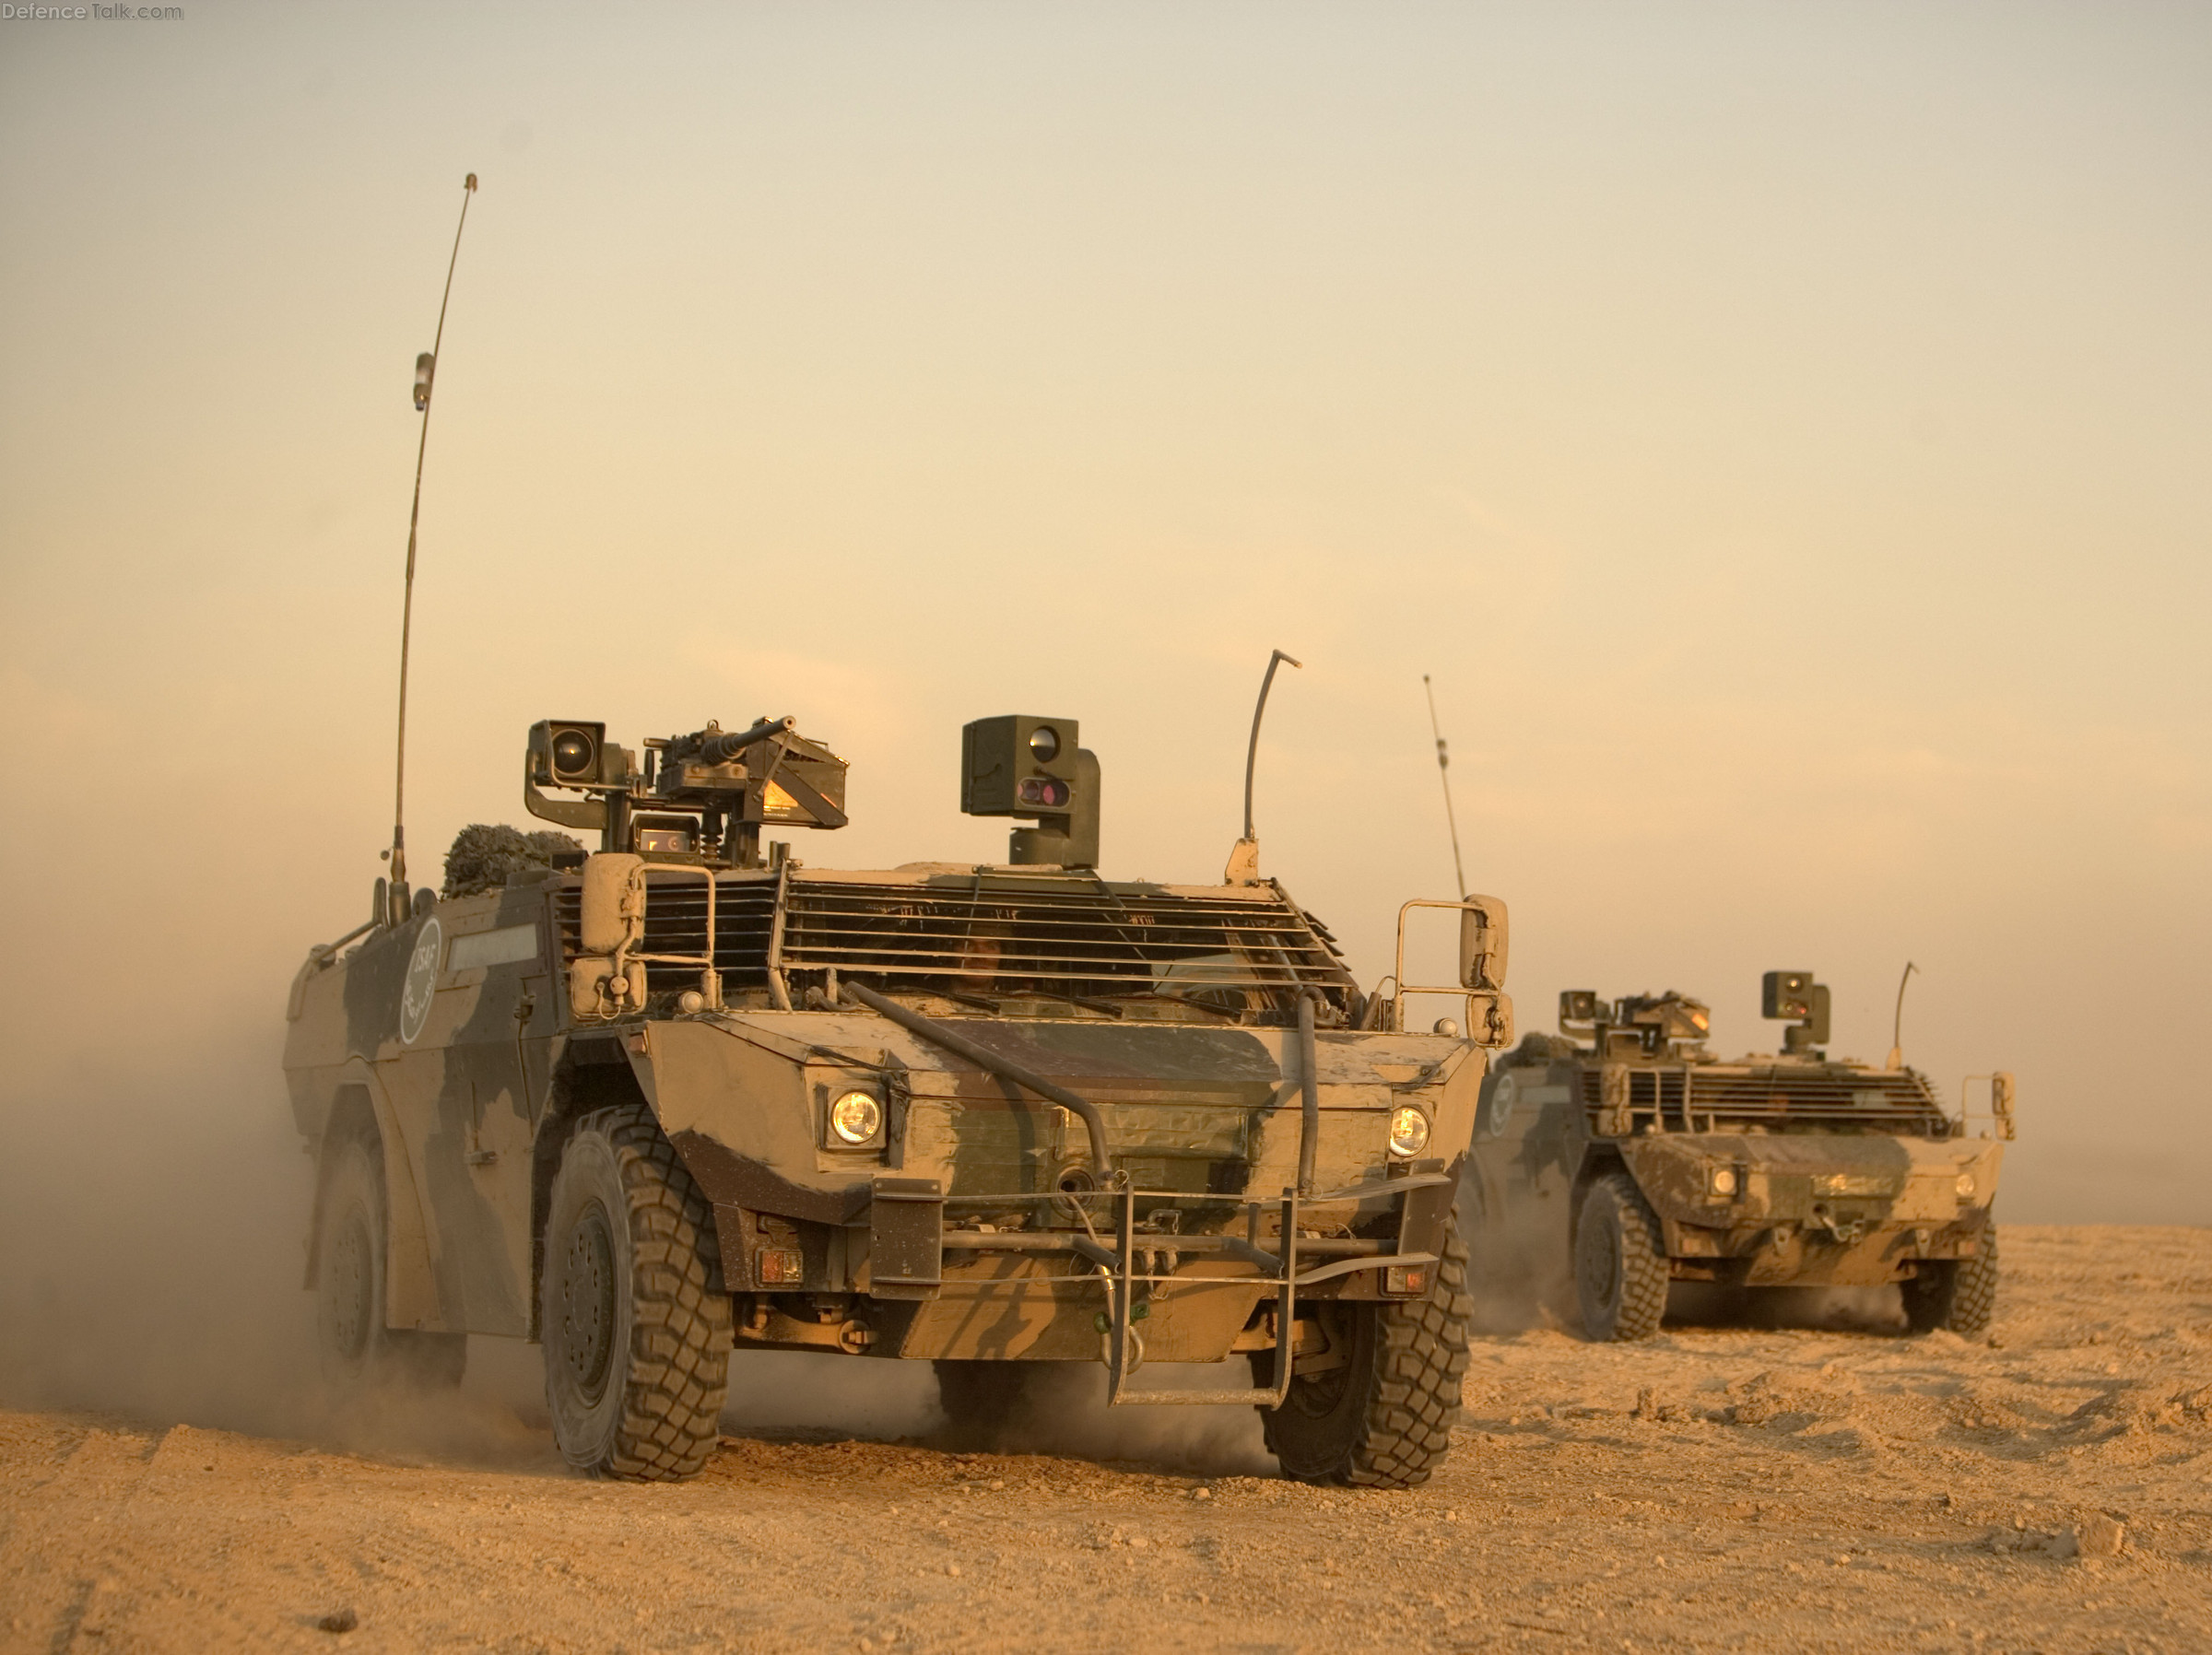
[1408, 1131]
[857, 1118]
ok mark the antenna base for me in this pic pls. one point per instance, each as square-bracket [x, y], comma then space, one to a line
[1243, 864]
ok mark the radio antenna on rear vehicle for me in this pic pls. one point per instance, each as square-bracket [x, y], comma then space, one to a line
[426, 369]
[1443, 769]
[1897, 1029]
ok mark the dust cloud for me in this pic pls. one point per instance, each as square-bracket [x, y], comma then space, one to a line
[151, 1239]
[1061, 1412]
[153, 1224]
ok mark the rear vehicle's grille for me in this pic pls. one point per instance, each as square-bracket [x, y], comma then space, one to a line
[1689, 1097]
[994, 939]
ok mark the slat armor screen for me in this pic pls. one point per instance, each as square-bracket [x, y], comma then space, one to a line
[995, 938]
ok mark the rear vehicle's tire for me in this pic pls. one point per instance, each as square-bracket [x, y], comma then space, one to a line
[1958, 1294]
[351, 1254]
[635, 1321]
[1620, 1268]
[1383, 1418]
[979, 1398]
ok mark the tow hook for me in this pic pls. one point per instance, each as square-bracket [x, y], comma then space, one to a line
[1104, 1323]
[1845, 1230]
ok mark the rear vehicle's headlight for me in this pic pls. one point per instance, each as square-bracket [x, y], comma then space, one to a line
[1966, 1186]
[1721, 1180]
[856, 1117]
[1408, 1131]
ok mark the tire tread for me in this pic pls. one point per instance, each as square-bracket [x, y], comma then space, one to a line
[680, 1329]
[1644, 1270]
[1414, 1399]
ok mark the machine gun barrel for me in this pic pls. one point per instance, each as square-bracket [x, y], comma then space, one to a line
[721, 749]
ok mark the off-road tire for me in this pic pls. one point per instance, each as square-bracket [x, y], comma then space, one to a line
[979, 1398]
[1958, 1294]
[352, 1250]
[1384, 1418]
[635, 1321]
[1620, 1267]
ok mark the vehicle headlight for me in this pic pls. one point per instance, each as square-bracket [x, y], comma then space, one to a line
[1721, 1180]
[1408, 1131]
[1966, 1186]
[856, 1117]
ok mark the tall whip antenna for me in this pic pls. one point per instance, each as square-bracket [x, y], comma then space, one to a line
[1897, 1029]
[425, 369]
[1443, 769]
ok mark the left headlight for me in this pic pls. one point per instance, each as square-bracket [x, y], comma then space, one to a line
[1408, 1131]
[857, 1118]
[1965, 1186]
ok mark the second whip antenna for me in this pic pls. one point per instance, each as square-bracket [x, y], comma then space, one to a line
[1443, 769]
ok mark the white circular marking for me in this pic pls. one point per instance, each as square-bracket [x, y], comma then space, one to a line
[422, 982]
[1502, 1104]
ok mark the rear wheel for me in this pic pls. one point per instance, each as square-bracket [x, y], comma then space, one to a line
[635, 1321]
[1383, 1416]
[1958, 1294]
[1620, 1268]
[351, 1253]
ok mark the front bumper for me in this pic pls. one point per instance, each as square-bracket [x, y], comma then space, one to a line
[1816, 1209]
[1122, 1276]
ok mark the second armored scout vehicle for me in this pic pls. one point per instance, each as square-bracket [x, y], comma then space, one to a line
[675, 1096]
[1631, 1151]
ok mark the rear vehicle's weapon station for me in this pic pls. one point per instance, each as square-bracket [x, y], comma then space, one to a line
[683, 1093]
[1648, 1162]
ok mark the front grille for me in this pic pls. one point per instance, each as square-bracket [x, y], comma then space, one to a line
[992, 937]
[1083, 940]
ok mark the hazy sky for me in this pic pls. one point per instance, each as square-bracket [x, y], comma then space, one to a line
[1782, 431]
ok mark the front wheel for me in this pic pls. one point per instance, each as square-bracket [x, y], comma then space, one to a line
[1381, 1417]
[635, 1321]
[352, 1249]
[1621, 1265]
[1958, 1294]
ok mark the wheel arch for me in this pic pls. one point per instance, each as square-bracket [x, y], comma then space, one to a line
[578, 1090]
[360, 1110]
[1598, 1160]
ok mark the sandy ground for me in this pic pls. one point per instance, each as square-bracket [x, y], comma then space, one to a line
[1838, 1488]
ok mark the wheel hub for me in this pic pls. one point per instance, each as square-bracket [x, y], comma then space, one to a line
[1600, 1261]
[587, 1302]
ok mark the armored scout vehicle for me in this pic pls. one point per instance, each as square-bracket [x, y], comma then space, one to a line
[1645, 1160]
[672, 1097]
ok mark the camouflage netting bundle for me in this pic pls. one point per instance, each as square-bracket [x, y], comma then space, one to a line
[484, 856]
[1540, 1049]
